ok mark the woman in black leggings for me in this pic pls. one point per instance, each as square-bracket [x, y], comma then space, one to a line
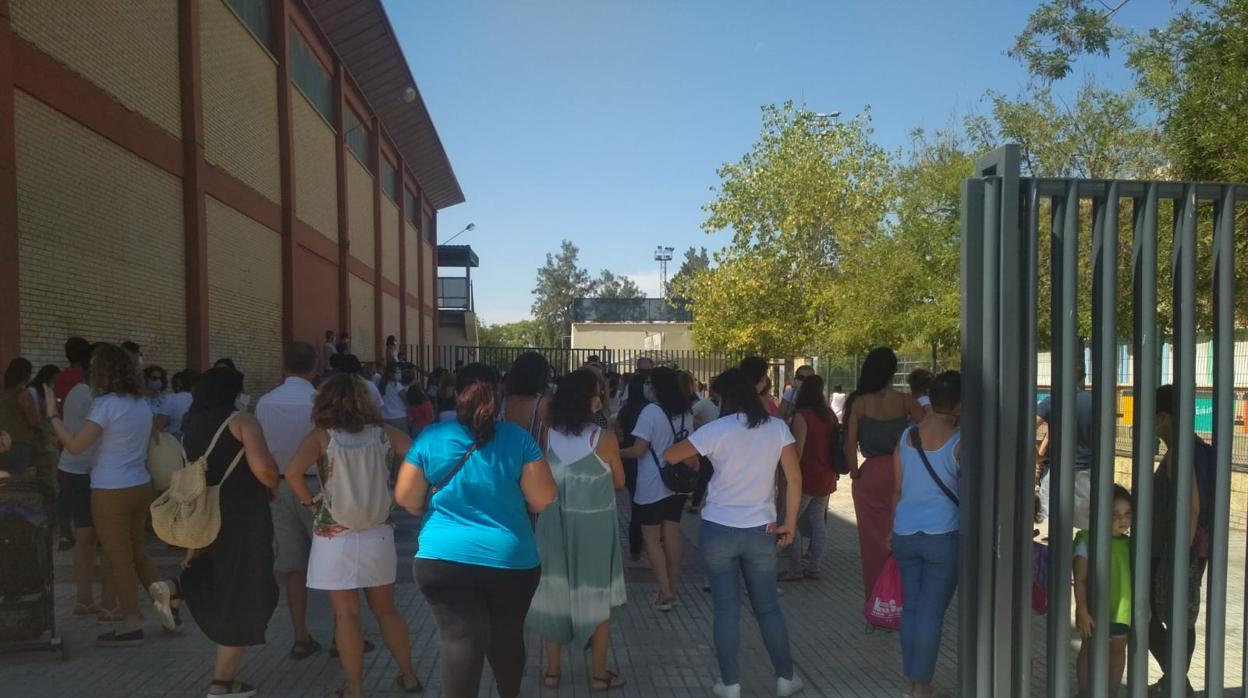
[476, 482]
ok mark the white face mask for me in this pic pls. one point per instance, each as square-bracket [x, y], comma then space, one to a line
[155, 384]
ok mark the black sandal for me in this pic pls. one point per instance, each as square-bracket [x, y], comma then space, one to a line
[234, 689]
[419, 687]
[304, 649]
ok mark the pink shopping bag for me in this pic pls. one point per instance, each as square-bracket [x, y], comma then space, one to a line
[883, 608]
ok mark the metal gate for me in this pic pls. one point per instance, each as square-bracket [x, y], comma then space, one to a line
[1001, 228]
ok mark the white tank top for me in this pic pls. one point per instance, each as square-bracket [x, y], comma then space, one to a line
[571, 448]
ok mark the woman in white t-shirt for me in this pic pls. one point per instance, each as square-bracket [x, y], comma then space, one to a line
[665, 421]
[119, 425]
[393, 398]
[739, 534]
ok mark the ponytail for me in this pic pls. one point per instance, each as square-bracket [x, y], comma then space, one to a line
[476, 401]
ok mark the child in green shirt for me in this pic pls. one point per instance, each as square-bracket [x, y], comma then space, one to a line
[1119, 595]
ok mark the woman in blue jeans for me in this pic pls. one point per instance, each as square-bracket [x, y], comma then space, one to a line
[739, 534]
[925, 529]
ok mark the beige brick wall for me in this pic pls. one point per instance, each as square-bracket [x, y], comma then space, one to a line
[100, 240]
[413, 260]
[389, 315]
[413, 325]
[128, 48]
[240, 100]
[316, 192]
[244, 295]
[390, 240]
[362, 304]
[430, 275]
[360, 211]
[428, 325]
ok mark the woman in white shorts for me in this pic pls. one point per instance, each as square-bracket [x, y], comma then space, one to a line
[353, 545]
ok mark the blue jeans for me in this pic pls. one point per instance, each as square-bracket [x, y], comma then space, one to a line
[728, 553]
[812, 511]
[929, 575]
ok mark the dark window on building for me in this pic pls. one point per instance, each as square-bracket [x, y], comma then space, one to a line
[310, 76]
[357, 137]
[426, 222]
[255, 14]
[389, 182]
[411, 209]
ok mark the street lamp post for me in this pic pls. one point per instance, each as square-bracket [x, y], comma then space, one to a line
[663, 255]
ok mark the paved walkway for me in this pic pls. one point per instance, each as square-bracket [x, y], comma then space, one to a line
[661, 655]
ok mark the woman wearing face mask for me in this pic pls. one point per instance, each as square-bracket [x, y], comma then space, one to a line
[155, 380]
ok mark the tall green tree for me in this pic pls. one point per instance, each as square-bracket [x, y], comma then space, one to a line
[808, 197]
[559, 281]
[608, 285]
[696, 260]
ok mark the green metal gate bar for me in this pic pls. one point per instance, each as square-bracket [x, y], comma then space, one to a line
[1001, 233]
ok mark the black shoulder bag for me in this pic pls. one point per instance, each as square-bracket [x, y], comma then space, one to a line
[681, 477]
[446, 480]
[917, 443]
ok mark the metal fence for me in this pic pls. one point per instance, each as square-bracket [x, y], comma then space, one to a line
[704, 365]
[1001, 229]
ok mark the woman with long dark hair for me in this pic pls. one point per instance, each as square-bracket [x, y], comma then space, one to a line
[739, 533]
[19, 417]
[625, 422]
[475, 481]
[876, 416]
[229, 586]
[349, 444]
[660, 425]
[582, 574]
[815, 432]
[526, 401]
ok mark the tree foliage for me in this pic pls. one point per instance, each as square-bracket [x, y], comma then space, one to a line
[811, 194]
[559, 281]
[608, 285]
[696, 260]
[1059, 31]
[524, 333]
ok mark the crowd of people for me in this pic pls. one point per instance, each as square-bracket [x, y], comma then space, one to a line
[514, 478]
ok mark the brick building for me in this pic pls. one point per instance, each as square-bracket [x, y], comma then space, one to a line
[213, 178]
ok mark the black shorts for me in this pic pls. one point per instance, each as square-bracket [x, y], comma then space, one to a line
[75, 498]
[1119, 630]
[668, 509]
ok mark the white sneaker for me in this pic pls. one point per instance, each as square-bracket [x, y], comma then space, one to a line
[789, 687]
[722, 691]
[162, 595]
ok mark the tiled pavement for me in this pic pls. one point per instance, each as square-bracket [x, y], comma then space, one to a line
[660, 655]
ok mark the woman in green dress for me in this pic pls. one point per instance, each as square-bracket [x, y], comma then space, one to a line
[577, 536]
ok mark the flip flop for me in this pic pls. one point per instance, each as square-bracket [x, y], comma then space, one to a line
[234, 689]
[82, 609]
[600, 684]
[303, 650]
[398, 681]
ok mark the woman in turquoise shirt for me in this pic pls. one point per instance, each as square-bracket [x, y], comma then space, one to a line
[476, 481]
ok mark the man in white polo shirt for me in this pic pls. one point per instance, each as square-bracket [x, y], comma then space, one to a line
[285, 416]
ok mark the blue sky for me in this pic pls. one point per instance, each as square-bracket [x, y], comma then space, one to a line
[603, 122]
